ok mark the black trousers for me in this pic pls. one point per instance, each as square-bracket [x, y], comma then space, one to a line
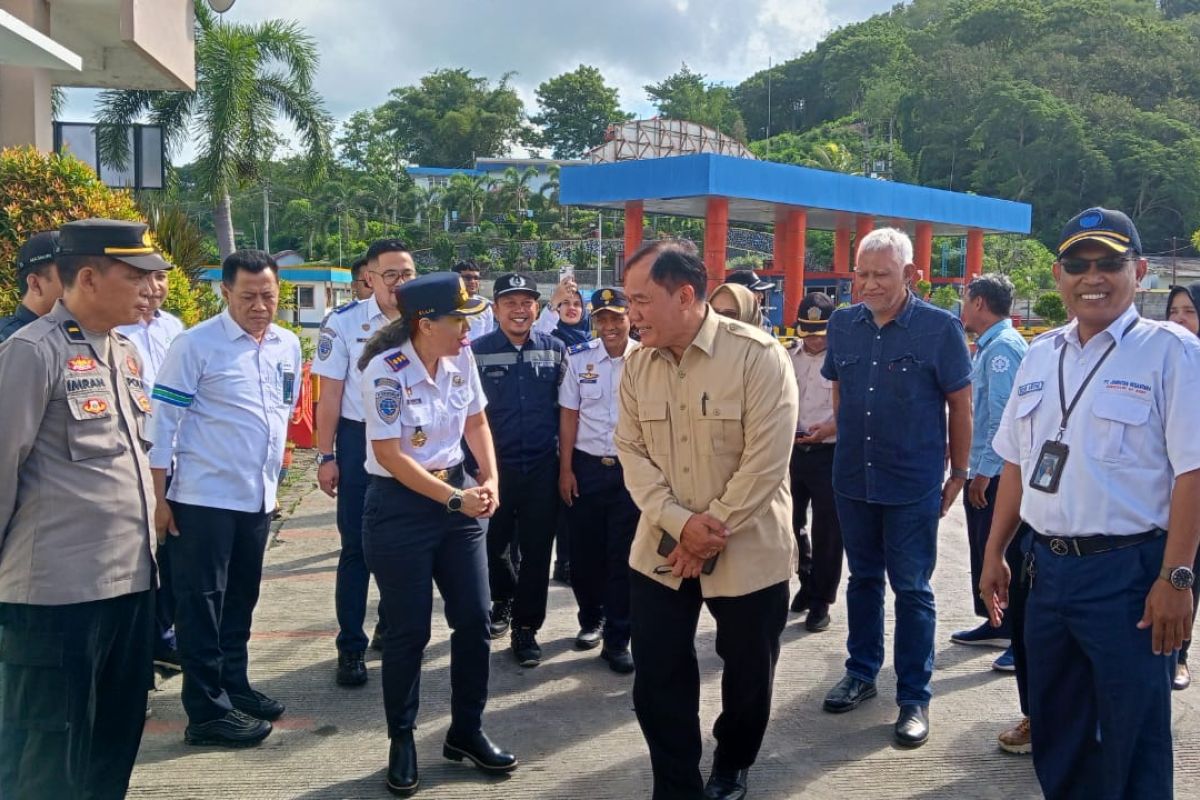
[412, 542]
[820, 564]
[73, 683]
[603, 520]
[353, 579]
[526, 521]
[1018, 601]
[217, 568]
[666, 686]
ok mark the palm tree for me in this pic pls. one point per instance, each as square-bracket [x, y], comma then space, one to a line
[833, 157]
[426, 203]
[467, 194]
[550, 190]
[513, 186]
[246, 76]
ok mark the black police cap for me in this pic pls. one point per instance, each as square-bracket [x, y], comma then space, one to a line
[39, 250]
[610, 299]
[439, 294]
[812, 319]
[514, 282]
[120, 239]
[749, 278]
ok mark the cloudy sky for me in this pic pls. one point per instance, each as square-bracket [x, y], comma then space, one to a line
[371, 46]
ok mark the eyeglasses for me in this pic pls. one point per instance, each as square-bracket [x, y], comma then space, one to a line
[1078, 266]
[468, 277]
[389, 277]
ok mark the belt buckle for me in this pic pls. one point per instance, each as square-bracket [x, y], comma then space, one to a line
[1059, 547]
[440, 474]
[608, 461]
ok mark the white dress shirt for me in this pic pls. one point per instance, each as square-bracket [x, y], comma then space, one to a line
[427, 414]
[221, 409]
[340, 345]
[816, 391]
[152, 340]
[591, 386]
[483, 322]
[1133, 431]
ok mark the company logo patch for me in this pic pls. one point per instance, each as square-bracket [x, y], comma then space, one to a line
[1000, 364]
[133, 366]
[94, 405]
[1130, 388]
[387, 405]
[81, 364]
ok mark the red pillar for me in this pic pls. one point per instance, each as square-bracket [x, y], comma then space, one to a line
[633, 227]
[923, 248]
[974, 255]
[793, 281]
[716, 231]
[841, 251]
[779, 248]
[862, 226]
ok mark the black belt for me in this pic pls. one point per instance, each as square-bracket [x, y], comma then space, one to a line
[604, 461]
[1091, 545]
[449, 474]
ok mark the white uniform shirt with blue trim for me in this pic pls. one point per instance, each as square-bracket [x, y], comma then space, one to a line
[340, 345]
[426, 414]
[483, 322]
[221, 409]
[1132, 433]
[152, 340]
[591, 386]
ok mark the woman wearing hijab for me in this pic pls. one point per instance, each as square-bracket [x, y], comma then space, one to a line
[1183, 303]
[736, 302]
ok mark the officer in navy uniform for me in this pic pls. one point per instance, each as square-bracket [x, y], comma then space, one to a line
[1102, 461]
[521, 370]
[37, 276]
[77, 527]
[422, 395]
[601, 516]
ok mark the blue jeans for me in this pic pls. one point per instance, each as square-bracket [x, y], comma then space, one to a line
[1099, 699]
[901, 543]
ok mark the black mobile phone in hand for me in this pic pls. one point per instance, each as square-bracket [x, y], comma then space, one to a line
[667, 545]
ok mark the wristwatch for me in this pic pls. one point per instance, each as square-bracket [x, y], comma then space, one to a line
[1182, 578]
[325, 458]
[961, 474]
[455, 503]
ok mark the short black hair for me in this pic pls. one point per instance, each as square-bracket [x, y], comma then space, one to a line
[996, 291]
[70, 266]
[40, 270]
[467, 265]
[356, 267]
[676, 262]
[381, 246]
[252, 261]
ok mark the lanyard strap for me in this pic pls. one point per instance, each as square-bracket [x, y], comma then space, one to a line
[1062, 391]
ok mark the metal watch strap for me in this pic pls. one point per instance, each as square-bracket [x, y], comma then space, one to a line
[955, 472]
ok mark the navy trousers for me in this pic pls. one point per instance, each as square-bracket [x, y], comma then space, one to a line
[73, 683]
[1099, 699]
[899, 542]
[217, 568]
[602, 520]
[411, 543]
[520, 540]
[353, 578]
[820, 564]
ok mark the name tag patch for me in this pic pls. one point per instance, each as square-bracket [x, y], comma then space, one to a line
[1029, 388]
[1129, 388]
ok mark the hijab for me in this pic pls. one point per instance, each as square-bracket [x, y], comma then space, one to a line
[745, 300]
[579, 332]
[1192, 290]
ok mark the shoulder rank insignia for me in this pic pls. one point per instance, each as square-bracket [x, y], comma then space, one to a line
[579, 348]
[74, 332]
[397, 361]
[343, 309]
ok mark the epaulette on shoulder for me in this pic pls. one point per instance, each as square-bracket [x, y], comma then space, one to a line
[342, 309]
[747, 331]
[397, 361]
[1047, 334]
[582, 346]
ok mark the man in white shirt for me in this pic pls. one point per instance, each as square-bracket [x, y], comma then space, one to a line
[811, 468]
[222, 403]
[152, 336]
[485, 321]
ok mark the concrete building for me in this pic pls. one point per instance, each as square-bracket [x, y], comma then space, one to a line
[118, 44]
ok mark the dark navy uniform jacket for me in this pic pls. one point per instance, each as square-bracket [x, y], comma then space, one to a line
[522, 393]
[15, 321]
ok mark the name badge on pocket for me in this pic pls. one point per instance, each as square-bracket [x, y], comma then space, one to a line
[1048, 469]
[288, 382]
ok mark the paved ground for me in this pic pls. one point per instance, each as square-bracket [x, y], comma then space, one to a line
[571, 720]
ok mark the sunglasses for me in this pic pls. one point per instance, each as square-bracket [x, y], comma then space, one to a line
[1078, 266]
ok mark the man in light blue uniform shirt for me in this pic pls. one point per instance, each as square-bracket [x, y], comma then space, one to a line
[1103, 463]
[998, 352]
[221, 408]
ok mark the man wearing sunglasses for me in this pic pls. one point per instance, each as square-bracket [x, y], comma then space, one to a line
[1102, 461]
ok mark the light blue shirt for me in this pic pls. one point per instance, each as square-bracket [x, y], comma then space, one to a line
[998, 353]
[222, 403]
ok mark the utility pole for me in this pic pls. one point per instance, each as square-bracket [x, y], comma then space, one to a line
[599, 247]
[768, 108]
[267, 217]
[1174, 262]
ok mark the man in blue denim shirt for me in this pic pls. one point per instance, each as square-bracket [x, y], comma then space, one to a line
[896, 363]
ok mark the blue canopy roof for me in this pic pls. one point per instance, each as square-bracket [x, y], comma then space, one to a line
[680, 185]
[313, 274]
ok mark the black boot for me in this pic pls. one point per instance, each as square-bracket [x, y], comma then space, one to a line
[402, 776]
[479, 750]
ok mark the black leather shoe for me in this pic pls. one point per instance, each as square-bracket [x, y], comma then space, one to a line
[235, 729]
[501, 618]
[800, 602]
[588, 638]
[848, 694]
[818, 618]
[351, 669]
[620, 661]
[912, 726]
[1183, 677]
[402, 778]
[377, 640]
[257, 705]
[525, 647]
[726, 784]
[478, 748]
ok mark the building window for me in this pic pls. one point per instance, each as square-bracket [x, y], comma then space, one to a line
[304, 298]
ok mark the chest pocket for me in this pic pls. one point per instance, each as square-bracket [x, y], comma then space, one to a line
[656, 428]
[1120, 424]
[903, 376]
[1024, 424]
[591, 390]
[719, 431]
[92, 430]
[460, 397]
[850, 374]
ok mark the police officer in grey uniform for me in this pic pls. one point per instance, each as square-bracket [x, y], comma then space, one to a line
[76, 527]
[37, 276]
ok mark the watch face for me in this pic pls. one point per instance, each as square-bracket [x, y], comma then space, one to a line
[1182, 578]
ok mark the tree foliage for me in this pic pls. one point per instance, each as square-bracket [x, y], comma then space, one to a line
[576, 109]
[686, 95]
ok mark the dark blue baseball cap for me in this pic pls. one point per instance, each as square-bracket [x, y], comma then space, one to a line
[514, 282]
[610, 299]
[38, 250]
[437, 295]
[1113, 229]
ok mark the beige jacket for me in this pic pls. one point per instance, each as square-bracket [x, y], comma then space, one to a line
[713, 434]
